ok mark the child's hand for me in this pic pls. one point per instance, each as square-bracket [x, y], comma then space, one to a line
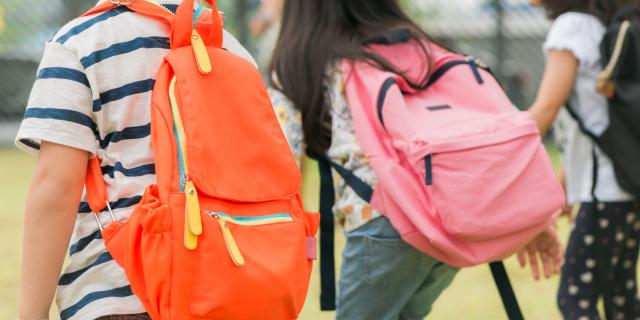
[567, 211]
[545, 248]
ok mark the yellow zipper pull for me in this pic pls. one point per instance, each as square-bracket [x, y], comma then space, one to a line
[192, 208]
[200, 52]
[190, 239]
[232, 246]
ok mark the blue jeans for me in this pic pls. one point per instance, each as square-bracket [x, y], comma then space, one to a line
[383, 277]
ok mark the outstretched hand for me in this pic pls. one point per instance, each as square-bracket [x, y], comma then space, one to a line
[545, 249]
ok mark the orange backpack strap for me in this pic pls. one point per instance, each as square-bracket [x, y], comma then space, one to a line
[182, 28]
[181, 22]
[97, 196]
[143, 7]
[96, 189]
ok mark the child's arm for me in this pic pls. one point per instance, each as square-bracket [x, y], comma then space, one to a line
[559, 77]
[52, 205]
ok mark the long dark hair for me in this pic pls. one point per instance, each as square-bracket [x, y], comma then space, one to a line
[604, 10]
[316, 32]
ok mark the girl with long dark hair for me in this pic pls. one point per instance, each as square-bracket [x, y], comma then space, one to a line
[602, 252]
[382, 277]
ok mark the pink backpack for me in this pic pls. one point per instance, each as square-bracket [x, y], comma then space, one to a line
[462, 174]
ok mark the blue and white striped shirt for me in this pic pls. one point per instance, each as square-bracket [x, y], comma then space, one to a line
[93, 92]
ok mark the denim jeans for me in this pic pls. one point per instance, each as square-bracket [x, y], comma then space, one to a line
[384, 278]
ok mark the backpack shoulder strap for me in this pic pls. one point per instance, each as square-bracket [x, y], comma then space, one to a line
[327, 233]
[574, 114]
[143, 7]
[361, 188]
[327, 229]
[604, 84]
[509, 300]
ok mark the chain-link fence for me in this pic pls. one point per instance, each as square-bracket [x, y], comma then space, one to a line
[506, 34]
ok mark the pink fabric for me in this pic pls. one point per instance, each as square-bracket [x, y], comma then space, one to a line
[493, 186]
[312, 248]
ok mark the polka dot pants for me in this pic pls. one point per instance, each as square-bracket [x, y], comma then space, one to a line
[601, 263]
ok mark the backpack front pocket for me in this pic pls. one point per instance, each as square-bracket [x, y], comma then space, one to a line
[250, 265]
[492, 190]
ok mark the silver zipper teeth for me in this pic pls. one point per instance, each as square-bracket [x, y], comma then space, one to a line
[166, 9]
[161, 6]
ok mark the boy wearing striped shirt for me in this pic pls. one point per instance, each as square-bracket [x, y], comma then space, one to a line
[91, 98]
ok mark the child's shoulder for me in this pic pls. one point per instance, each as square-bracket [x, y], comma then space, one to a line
[120, 27]
[580, 33]
[86, 33]
[577, 21]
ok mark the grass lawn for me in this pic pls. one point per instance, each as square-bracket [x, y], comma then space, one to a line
[471, 296]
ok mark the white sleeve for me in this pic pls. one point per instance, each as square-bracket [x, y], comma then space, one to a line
[579, 33]
[233, 45]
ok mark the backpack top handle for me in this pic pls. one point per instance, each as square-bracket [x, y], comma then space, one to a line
[182, 28]
[181, 23]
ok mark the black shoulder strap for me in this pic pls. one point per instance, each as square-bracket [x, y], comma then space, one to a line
[327, 232]
[574, 114]
[361, 188]
[509, 300]
[327, 252]
[327, 227]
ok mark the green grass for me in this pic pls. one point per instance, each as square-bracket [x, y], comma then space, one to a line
[471, 296]
[15, 171]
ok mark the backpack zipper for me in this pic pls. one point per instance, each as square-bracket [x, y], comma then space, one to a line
[470, 61]
[230, 242]
[197, 44]
[200, 52]
[193, 222]
[255, 221]
[161, 6]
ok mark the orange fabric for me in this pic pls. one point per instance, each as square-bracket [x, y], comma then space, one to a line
[141, 6]
[96, 190]
[181, 32]
[240, 164]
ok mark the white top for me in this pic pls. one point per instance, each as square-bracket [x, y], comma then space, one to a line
[581, 34]
[93, 92]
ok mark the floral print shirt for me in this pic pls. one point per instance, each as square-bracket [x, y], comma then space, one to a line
[349, 209]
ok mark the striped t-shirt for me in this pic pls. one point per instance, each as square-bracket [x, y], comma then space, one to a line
[93, 92]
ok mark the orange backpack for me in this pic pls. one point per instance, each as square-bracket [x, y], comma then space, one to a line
[222, 235]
